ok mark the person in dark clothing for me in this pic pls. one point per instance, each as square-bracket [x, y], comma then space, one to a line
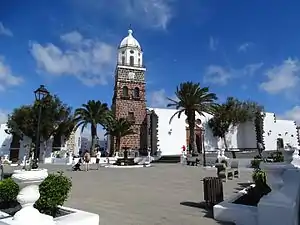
[76, 167]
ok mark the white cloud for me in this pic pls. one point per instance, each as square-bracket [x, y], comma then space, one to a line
[293, 114]
[148, 13]
[90, 61]
[216, 74]
[3, 116]
[5, 31]
[282, 78]
[213, 43]
[156, 13]
[158, 98]
[244, 47]
[73, 37]
[7, 78]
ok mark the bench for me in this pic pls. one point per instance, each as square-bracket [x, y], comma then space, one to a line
[193, 160]
[234, 165]
[224, 172]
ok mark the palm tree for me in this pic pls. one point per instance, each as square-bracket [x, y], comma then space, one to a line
[191, 99]
[118, 128]
[93, 113]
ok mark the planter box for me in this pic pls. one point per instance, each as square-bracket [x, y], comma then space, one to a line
[72, 217]
[227, 211]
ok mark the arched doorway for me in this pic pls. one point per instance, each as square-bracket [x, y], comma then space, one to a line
[198, 138]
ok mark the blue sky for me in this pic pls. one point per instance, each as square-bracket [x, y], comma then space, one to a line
[245, 49]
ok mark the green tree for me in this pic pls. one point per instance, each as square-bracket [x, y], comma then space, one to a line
[192, 99]
[92, 113]
[232, 113]
[23, 121]
[118, 128]
[220, 123]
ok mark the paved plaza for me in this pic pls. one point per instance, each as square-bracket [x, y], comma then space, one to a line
[166, 194]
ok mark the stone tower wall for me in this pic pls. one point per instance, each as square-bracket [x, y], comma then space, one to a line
[129, 104]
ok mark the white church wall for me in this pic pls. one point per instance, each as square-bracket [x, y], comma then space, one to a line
[246, 135]
[5, 140]
[25, 145]
[240, 137]
[171, 136]
[274, 128]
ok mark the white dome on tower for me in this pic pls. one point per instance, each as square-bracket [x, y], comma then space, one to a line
[130, 41]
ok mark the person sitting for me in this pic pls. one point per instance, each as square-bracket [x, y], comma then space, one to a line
[76, 167]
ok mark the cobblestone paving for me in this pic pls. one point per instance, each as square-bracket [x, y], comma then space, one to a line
[145, 196]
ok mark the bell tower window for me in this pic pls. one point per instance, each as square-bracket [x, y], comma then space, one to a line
[136, 92]
[123, 60]
[131, 60]
[131, 117]
[125, 91]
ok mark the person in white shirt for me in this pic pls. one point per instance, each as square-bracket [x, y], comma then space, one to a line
[98, 155]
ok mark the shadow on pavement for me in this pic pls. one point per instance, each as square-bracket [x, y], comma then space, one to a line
[207, 210]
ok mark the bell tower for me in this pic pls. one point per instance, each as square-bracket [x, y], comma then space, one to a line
[129, 100]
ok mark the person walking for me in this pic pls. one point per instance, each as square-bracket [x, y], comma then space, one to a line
[87, 159]
[98, 156]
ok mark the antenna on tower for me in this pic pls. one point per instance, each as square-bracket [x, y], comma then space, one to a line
[130, 27]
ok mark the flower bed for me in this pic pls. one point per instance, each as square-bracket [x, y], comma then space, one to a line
[53, 192]
[252, 196]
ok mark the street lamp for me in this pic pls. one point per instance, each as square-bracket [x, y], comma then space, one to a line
[40, 94]
[203, 146]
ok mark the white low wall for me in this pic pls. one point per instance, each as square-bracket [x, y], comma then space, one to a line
[77, 217]
[227, 211]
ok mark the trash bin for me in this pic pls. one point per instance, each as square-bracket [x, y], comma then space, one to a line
[213, 190]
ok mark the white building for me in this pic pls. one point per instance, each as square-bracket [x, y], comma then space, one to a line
[73, 145]
[171, 137]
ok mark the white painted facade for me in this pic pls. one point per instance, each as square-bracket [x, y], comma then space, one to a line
[173, 136]
[73, 144]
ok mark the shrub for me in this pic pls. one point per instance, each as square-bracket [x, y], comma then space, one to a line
[259, 178]
[54, 191]
[8, 190]
[257, 157]
[277, 156]
[255, 163]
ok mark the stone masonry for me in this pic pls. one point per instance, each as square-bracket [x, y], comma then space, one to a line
[130, 106]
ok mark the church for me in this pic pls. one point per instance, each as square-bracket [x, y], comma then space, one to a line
[151, 125]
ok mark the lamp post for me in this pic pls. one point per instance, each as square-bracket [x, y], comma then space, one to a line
[203, 146]
[40, 94]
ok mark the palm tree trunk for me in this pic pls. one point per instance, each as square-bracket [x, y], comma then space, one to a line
[118, 144]
[192, 144]
[94, 135]
[226, 147]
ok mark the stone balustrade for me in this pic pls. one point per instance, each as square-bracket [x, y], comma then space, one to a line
[281, 205]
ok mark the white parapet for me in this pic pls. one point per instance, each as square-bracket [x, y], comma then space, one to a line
[29, 193]
[280, 206]
[228, 211]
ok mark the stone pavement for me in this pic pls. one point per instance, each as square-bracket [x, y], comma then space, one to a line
[166, 194]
